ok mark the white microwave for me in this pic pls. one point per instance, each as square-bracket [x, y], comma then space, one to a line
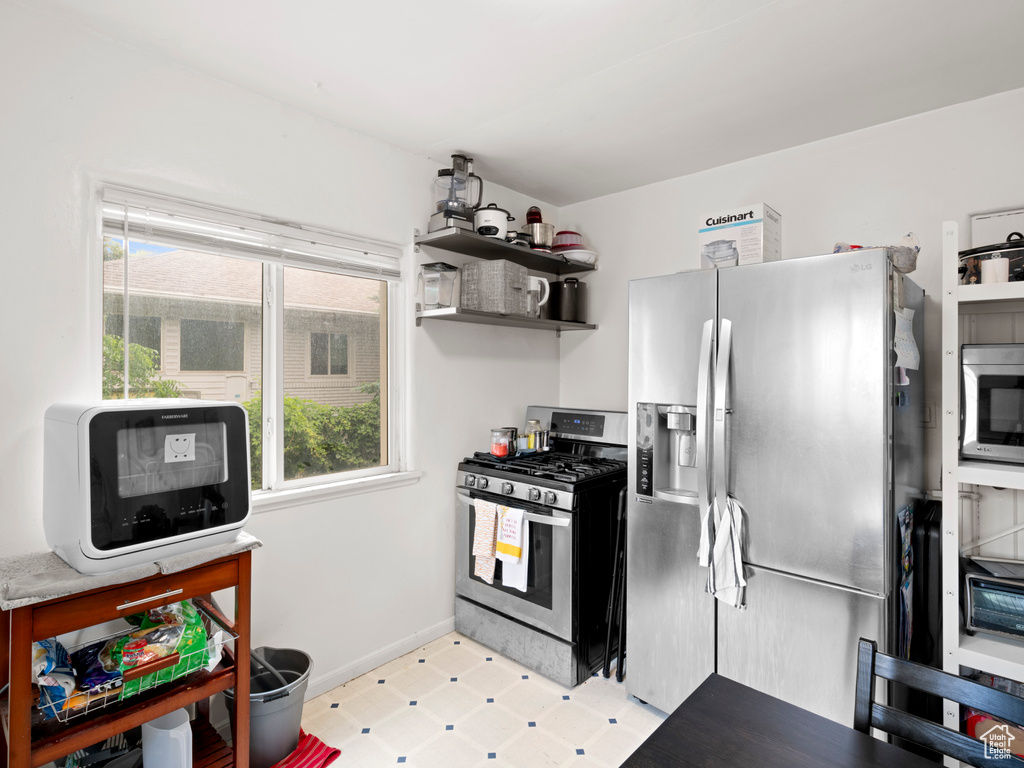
[127, 482]
[992, 403]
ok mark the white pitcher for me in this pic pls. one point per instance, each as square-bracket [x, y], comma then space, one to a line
[537, 292]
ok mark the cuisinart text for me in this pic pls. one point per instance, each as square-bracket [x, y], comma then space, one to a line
[747, 235]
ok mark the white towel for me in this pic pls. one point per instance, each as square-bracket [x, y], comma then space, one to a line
[509, 547]
[513, 575]
[721, 552]
[484, 532]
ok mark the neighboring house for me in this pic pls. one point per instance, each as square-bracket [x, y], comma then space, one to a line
[203, 314]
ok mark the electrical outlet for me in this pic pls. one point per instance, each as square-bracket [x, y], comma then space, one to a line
[930, 417]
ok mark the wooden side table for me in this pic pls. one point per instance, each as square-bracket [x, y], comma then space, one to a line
[31, 746]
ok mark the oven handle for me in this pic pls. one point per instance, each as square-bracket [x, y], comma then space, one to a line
[557, 522]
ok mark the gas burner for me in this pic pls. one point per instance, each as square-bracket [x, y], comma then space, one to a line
[562, 467]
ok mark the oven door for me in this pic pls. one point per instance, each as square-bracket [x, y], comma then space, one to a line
[547, 602]
[992, 410]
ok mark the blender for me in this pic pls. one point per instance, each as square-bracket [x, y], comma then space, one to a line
[438, 286]
[457, 194]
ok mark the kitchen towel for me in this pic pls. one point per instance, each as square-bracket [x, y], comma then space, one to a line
[721, 552]
[509, 546]
[513, 571]
[310, 753]
[484, 532]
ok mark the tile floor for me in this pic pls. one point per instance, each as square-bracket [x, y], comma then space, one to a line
[455, 703]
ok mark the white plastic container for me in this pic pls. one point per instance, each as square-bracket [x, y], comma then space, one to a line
[167, 741]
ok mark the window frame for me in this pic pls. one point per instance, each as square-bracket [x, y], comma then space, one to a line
[310, 376]
[316, 245]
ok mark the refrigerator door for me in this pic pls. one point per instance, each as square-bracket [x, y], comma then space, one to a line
[666, 318]
[669, 616]
[809, 388]
[797, 640]
[670, 619]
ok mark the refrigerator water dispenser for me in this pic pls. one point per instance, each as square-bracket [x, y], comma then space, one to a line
[666, 463]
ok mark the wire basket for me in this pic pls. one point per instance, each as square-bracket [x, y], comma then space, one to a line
[147, 676]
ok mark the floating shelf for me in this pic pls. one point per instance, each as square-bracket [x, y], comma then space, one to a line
[459, 315]
[471, 244]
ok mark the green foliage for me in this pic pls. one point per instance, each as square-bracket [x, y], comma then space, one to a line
[320, 439]
[141, 371]
[112, 249]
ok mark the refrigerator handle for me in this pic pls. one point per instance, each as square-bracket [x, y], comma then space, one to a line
[704, 403]
[721, 392]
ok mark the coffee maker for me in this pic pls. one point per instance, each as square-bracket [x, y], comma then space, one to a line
[457, 194]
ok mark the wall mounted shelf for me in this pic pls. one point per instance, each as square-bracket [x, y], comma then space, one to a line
[471, 244]
[459, 315]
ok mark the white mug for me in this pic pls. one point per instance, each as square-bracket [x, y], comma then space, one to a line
[537, 292]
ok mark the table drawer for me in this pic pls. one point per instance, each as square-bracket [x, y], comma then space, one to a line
[74, 612]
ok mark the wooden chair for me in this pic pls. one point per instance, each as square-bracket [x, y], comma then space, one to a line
[867, 714]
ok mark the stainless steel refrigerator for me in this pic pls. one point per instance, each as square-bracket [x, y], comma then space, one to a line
[776, 384]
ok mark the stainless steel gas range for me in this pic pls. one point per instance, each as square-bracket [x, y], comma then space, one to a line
[570, 497]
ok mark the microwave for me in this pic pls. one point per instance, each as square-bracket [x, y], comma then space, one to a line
[127, 482]
[992, 403]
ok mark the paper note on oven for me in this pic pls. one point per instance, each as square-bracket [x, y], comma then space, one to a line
[907, 354]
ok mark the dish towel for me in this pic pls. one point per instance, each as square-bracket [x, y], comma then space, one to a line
[721, 552]
[512, 549]
[310, 753]
[484, 532]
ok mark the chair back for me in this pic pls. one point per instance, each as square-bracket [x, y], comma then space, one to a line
[868, 714]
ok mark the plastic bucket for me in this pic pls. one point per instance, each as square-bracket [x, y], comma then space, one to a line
[275, 703]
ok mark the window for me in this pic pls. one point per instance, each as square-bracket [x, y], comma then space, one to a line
[144, 331]
[212, 345]
[226, 306]
[328, 354]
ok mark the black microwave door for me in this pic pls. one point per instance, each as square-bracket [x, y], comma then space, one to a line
[1001, 409]
[156, 474]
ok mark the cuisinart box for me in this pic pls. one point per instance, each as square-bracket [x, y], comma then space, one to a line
[747, 235]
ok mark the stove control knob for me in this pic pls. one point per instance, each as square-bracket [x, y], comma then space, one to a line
[481, 482]
[550, 497]
[506, 488]
[533, 494]
[470, 481]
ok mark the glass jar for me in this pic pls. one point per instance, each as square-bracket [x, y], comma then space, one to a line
[503, 441]
[438, 286]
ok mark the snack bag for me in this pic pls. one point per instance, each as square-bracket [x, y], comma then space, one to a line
[176, 628]
[53, 673]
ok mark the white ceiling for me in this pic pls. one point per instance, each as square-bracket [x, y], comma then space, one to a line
[566, 100]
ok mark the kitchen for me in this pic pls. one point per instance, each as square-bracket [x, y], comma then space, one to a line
[79, 107]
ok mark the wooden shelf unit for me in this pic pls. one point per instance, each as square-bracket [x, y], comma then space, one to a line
[34, 744]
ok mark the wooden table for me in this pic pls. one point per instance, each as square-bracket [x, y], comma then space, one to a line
[724, 723]
[34, 744]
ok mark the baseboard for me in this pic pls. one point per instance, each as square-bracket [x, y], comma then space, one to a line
[331, 680]
[327, 682]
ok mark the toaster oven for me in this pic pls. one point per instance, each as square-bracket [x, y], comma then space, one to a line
[133, 481]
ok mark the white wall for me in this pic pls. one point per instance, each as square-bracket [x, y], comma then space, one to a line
[870, 187]
[351, 581]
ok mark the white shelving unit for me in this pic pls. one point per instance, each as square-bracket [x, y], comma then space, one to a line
[988, 653]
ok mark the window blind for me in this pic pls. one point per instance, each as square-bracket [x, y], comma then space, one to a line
[175, 223]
